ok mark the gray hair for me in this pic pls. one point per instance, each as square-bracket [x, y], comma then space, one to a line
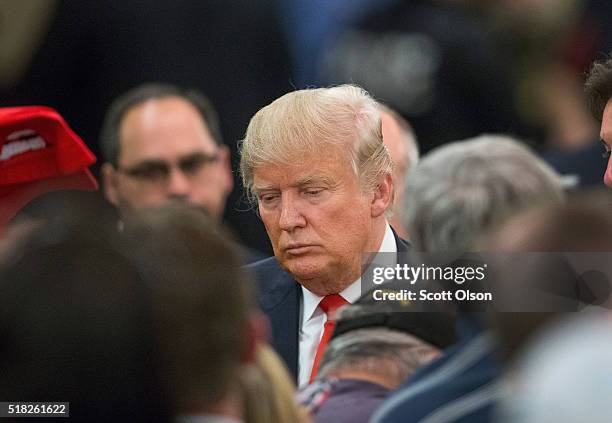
[385, 352]
[313, 120]
[462, 189]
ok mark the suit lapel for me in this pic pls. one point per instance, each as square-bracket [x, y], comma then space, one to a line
[402, 245]
[281, 303]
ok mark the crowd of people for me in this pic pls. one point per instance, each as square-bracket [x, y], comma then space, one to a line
[139, 304]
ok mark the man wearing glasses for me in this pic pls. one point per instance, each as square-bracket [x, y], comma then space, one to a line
[161, 144]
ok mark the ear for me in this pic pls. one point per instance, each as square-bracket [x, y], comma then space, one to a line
[109, 179]
[258, 330]
[226, 166]
[383, 196]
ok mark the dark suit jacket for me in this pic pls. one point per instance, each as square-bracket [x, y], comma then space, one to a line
[279, 297]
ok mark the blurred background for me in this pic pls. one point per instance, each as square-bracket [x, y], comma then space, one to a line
[453, 68]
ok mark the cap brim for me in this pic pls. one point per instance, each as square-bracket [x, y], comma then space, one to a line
[14, 197]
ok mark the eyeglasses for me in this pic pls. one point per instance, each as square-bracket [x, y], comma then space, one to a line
[158, 171]
[606, 152]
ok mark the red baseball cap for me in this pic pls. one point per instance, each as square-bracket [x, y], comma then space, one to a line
[39, 153]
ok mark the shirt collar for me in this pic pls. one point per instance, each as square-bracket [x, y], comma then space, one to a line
[388, 244]
[352, 292]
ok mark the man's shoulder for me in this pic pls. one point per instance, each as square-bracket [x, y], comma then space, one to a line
[268, 263]
[268, 270]
[465, 371]
[403, 246]
[470, 399]
[274, 284]
[350, 400]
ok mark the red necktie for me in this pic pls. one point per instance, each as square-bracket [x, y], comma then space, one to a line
[329, 305]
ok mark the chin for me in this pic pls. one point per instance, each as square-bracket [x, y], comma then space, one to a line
[304, 268]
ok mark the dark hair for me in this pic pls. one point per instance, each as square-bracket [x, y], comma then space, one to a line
[109, 135]
[200, 296]
[76, 326]
[430, 323]
[598, 87]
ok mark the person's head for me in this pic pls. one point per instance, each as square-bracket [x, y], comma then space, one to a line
[400, 140]
[553, 259]
[315, 164]
[39, 154]
[598, 89]
[162, 143]
[57, 209]
[581, 223]
[201, 301]
[460, 190]
[379, 353]
[268, 394]
[77, 326]
[563, 376]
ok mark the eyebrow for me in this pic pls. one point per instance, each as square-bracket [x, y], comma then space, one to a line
[198, 154]
[308, 180]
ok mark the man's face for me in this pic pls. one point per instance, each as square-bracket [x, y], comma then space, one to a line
[166, 153]
[606, 137]
[318, 218]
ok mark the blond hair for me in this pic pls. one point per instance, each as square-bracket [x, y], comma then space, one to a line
[311, 121]
[268, 393]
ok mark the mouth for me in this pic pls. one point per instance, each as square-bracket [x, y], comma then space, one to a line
[297, 249]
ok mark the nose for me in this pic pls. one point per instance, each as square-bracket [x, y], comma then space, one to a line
[290, 216]
[608, 174]
[179, 185]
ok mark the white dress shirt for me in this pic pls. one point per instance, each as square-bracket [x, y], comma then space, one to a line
[313, 318]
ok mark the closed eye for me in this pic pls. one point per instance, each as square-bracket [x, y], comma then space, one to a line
[267, 198]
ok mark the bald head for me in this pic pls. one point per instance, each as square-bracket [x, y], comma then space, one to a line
[401, 143]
